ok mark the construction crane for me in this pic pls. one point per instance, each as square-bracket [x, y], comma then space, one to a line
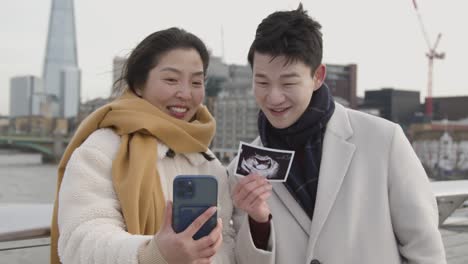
[432, 54]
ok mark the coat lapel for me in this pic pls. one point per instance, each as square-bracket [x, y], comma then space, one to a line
[288, 200]
[293, 206]
[337, 154]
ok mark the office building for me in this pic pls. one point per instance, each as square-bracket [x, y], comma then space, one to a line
[400, 106]
[26, 96]
[451, 108]
[342, 81]
[61, 74]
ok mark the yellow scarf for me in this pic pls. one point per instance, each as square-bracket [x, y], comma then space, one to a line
[134, 170]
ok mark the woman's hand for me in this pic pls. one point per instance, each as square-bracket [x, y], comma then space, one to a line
[250, 194]
[181, 247]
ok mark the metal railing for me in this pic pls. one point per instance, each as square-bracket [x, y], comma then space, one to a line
[23, 223]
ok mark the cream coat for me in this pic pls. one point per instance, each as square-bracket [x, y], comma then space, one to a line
[92, 228]
[374, 202]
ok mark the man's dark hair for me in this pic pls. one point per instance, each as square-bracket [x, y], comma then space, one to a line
[292, 34]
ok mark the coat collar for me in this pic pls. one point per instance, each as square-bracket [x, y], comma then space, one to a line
[195, 159]
[339, 123]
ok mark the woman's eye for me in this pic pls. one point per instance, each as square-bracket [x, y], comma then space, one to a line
[171, 80]
[197, 83]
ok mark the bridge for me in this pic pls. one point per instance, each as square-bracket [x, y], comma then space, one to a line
[51, 147]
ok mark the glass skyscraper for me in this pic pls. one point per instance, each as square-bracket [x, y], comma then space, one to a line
[61, 75]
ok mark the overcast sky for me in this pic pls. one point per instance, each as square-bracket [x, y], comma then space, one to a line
[381, 36]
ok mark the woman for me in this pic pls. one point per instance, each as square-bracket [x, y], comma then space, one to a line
[117, 171]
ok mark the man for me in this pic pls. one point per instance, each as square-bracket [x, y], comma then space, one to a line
[356, 192]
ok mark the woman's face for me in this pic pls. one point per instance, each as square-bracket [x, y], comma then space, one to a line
[176, 85]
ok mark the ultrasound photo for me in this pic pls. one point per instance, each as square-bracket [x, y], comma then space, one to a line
[273, 164]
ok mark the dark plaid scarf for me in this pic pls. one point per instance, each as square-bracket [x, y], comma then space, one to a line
[305, 137]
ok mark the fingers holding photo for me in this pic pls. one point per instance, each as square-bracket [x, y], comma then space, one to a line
[251, 194]
[251, 183]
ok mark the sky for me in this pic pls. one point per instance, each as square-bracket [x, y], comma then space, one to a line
[382, 37]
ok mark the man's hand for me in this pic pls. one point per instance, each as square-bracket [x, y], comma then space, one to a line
[181, 247]
[250, 194]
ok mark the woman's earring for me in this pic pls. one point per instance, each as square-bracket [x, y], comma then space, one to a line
[138, 92]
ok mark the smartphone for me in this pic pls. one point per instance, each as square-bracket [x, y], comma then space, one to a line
[192, 196]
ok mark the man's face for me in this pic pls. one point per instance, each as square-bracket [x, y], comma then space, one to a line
[283, 91]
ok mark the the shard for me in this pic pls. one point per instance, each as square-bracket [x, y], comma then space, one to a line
[61, 75]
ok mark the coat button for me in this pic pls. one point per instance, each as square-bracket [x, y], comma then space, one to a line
[315, 261]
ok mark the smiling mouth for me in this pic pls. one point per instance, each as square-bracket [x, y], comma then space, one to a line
[179, 110]
[279, 111]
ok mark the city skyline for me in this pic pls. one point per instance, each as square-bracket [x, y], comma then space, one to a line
[383, 39]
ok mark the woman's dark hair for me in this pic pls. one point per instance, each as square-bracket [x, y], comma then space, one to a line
[293, 34]
[147, 53]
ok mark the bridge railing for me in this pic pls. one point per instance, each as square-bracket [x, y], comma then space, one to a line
[24, 222]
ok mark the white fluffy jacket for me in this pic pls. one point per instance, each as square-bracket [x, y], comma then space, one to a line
[91, 225]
